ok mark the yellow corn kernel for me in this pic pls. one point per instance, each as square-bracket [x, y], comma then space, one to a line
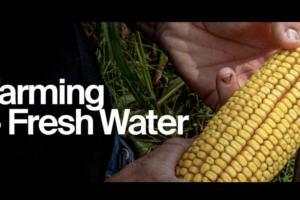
[241, 159]
[259, 82]
[206, 148]
[273, 139]
[202, 155]
[189, 177]
[285, 123]
[290, 97]
[240, 120]
[280, 89]
[269, 102]
[226, 177]
[221, 127]
[274, 117]
[268, 144]
[277, 134]
[221, 163]
[285, 84]
[198, 162]
[205, 179]
[277, 93]
[290, 60]
[282, 144]
[198, 178]
[187, 163]
[183, 171]
[210, 160]
[286, 65]
[258, 139]
[262, 95]
[231, 171]
[237, 146]
[226, 157]
[205, 167]
[269, 161]
[194, 169]
[286, 102]
[211, 176]
[260, 157]
[264, 166]
[278, 112]
[241, 177]
[282, 107]
[211, 140]
[247, 155]
[248, 109]
[223, 142]
[264, 150]
[232, 131]
[216, 169]
[272, 98]
[294, 73]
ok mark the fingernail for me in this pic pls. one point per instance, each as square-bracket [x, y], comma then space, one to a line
[227, 79]
[291, 34]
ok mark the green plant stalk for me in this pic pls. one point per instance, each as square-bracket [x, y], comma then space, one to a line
[104, 45]
[129, 78]
[141, 83]
[154, 51]
[144, 73]
[164, 98]
[142, 58]
[110, 51]
[143, 61]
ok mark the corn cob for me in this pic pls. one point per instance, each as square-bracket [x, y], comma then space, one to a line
[255, 133]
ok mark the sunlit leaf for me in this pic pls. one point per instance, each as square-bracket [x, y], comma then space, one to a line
[140, 147]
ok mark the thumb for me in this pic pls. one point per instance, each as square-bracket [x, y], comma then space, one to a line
[286, 34]
[174, 148]
[227, 84]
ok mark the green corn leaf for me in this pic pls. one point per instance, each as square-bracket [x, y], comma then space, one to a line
[174, 85]
[129, 78]
[124, 100]
[140, 147]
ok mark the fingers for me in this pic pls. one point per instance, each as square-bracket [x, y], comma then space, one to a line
[174, 148]
[227, 84]
[287, 34]
[182, 143]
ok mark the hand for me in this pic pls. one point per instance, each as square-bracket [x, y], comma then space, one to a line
[215, 59]
[157, 166]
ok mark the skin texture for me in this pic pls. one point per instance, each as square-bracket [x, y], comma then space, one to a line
[203, 53]
[155, 166]
[214, 59]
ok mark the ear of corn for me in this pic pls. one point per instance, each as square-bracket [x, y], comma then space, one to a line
[255, 133]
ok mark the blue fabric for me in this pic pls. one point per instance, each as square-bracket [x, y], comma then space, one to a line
[118, 146]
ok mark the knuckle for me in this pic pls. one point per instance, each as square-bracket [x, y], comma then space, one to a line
[175, 141]
[179, 142]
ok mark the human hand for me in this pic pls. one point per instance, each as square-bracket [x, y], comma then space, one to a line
[157, 166]
[215, 59]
